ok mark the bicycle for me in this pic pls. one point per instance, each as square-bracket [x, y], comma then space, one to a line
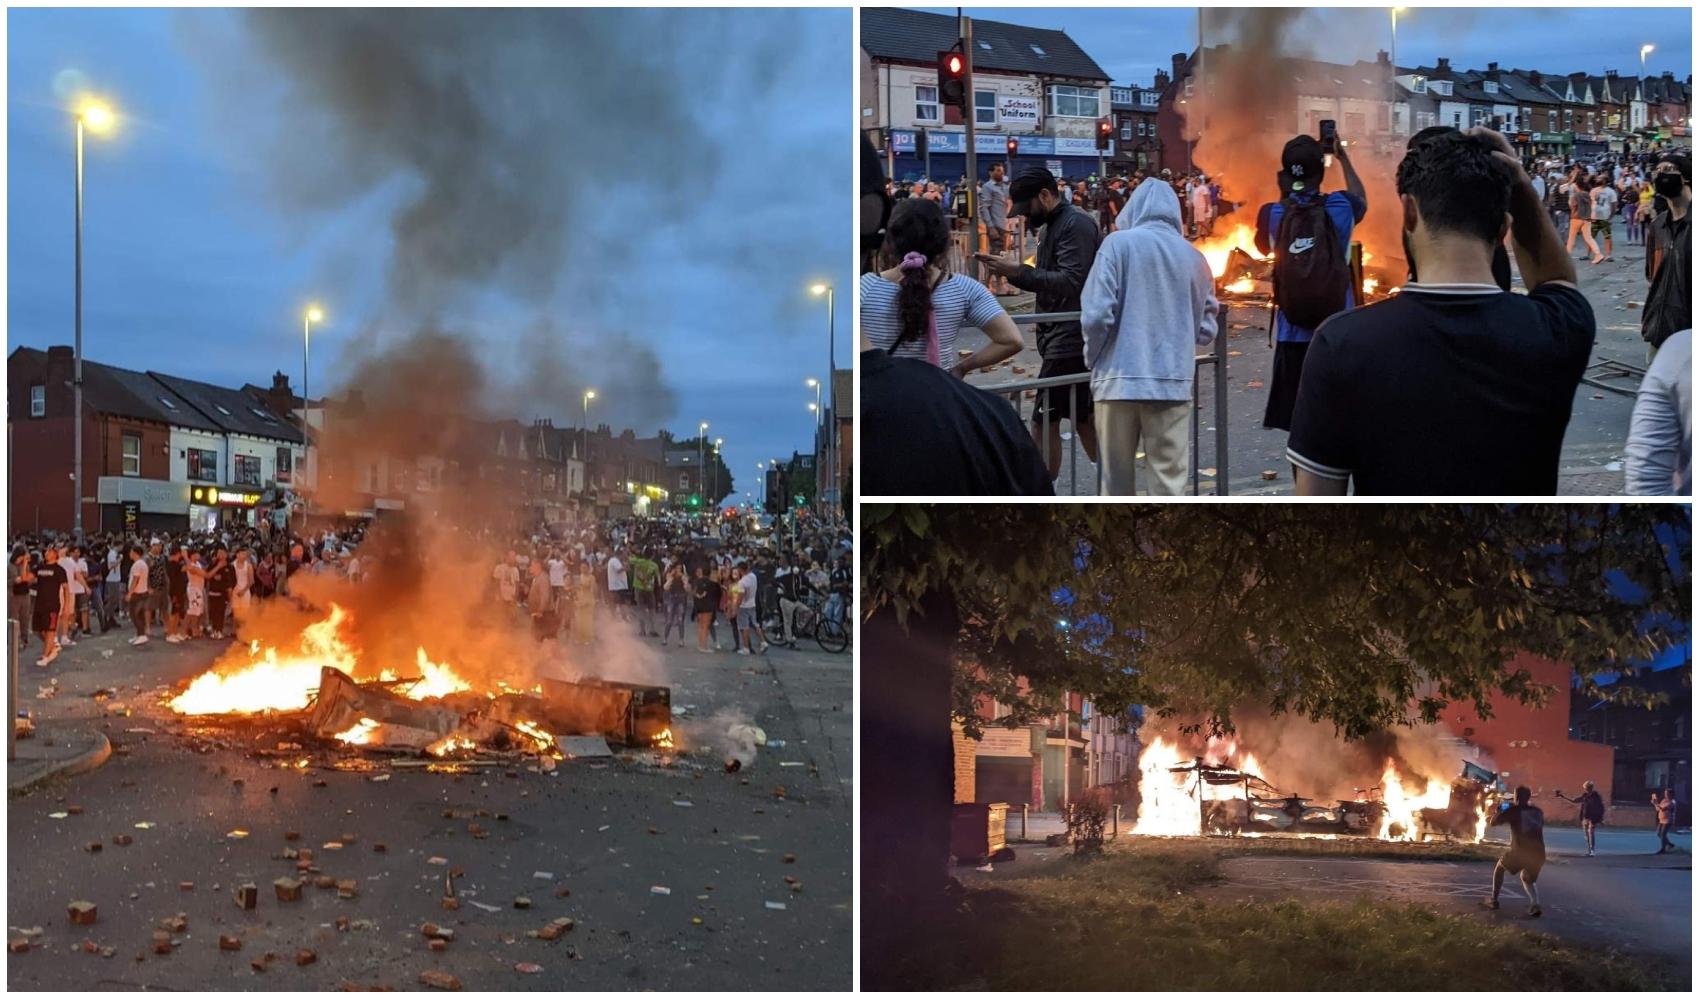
[808, 621]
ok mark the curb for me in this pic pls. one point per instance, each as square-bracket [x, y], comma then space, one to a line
[81, 763]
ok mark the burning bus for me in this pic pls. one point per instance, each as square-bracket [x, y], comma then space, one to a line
[1224, 791]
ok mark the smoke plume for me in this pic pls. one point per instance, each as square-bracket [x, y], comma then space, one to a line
[1244, 109]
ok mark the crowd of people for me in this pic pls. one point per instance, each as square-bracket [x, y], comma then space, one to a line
[179, 585]
[652, 574]
[1357, 386]
[667, 577]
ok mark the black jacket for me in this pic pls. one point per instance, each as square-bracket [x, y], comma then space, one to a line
[1668, 307]
[1066, 251]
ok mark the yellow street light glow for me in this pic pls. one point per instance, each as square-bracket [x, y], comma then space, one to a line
[813, 407]
[1646, 49]
[819, 288]
[811, 383]
[96, 115]
[315, 314]
[590, 394]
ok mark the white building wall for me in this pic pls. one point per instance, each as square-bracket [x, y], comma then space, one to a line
[182, 439]
[265, 449]
[903, 81]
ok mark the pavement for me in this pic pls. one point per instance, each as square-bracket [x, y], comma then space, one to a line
[636, 849]
[1591, 463]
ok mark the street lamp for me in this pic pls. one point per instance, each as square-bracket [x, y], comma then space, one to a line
[702, 437]
[1393, 60]
[825, 288]
[97, 117]
[312, 314]
[584, 421]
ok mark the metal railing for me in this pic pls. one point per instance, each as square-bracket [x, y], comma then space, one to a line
[1217, 359]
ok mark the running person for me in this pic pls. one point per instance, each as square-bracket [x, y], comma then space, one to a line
[1592, 813]
[1528, 853]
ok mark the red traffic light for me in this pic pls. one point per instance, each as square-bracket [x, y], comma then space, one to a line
[1104, 128]
[954, 63]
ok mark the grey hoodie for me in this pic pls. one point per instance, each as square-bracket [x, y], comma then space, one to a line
[1148, 304]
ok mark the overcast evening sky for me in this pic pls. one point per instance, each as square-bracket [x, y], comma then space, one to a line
[192, 270]
[1132, 44]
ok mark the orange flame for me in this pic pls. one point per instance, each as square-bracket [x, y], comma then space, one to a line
[664, 739]
[360, 733]
[274, 681]
[1217, 248]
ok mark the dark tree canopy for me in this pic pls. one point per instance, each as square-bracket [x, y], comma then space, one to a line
[1363, 615]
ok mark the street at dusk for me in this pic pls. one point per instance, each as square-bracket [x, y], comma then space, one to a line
[430, 493]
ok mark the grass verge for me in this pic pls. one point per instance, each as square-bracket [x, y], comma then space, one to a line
[1126, 921]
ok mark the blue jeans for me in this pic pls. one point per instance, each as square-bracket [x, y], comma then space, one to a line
[835, 608]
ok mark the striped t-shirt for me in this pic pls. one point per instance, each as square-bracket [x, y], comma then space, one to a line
[958, 301]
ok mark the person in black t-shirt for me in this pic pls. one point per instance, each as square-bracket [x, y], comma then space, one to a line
[927, 433]
[52, 599]
[1453, 386]
[1592, 812]
[221, 580]
[1528, 853]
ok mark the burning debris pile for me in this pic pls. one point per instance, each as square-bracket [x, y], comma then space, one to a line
[323, 687]
[1214, 787]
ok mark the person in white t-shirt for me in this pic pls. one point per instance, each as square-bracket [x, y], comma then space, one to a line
[76, 623]
[137, 595]
[746, 623]
[506, 575]
[619, 587]
[111, 587]
[242, 595]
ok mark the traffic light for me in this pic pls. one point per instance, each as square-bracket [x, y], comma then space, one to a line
[1103, 133]
[1010, 146]
[695, 499]
[921, 142]
[953, 71]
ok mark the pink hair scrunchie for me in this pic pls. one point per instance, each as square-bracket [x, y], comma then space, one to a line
[913, 261]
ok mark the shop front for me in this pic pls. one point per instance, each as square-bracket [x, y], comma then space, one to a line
[132, 505]
[212, 508]
[945, 157]
[1551, 143]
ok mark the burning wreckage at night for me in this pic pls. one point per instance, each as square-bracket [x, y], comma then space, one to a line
[325, 691]
[1221, 791]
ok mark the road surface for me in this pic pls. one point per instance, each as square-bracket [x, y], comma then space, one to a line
[593, 841]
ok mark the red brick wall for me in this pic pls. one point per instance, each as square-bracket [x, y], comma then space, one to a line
[1534, 744]
[963, 749]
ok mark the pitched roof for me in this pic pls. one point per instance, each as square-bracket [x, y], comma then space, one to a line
[230, 410]
[900, 35]
[1523, 90]
[125, 393]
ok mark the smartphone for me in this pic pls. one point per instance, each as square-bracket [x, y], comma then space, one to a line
[1328, 135]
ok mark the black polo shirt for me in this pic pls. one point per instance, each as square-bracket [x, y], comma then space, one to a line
[1444, 390]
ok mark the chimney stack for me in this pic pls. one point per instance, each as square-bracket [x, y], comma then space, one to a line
[1381, 57]
[1668, 75]
[1611, 74]
[1178, 62]
[1160, 82]
[1443, 67]
[1535, 77]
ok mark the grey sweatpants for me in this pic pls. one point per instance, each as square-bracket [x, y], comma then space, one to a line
[1125, 427]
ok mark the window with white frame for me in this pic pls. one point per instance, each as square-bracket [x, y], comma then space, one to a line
[1442, 87]
[985, 108]
[1490, 86]
[203, 465]
[1127, 129]
[1073, 102]
[1419, 85]
[1121, 95]
[38, 400]
[927, 104]
[1148, 97]
[132, 451]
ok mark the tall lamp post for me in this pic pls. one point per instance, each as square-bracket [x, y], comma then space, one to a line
[717, 443]
[702, 438]
[1393, 58]
[313, 314]
[820, 442]
[96, 117]
[825, 288]
[761, 469]
[584, 420]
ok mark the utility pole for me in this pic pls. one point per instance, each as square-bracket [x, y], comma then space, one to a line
[968, 122]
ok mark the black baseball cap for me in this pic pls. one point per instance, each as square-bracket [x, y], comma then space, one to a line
[1301, 164]
[1030, 182]
[1678, 160]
